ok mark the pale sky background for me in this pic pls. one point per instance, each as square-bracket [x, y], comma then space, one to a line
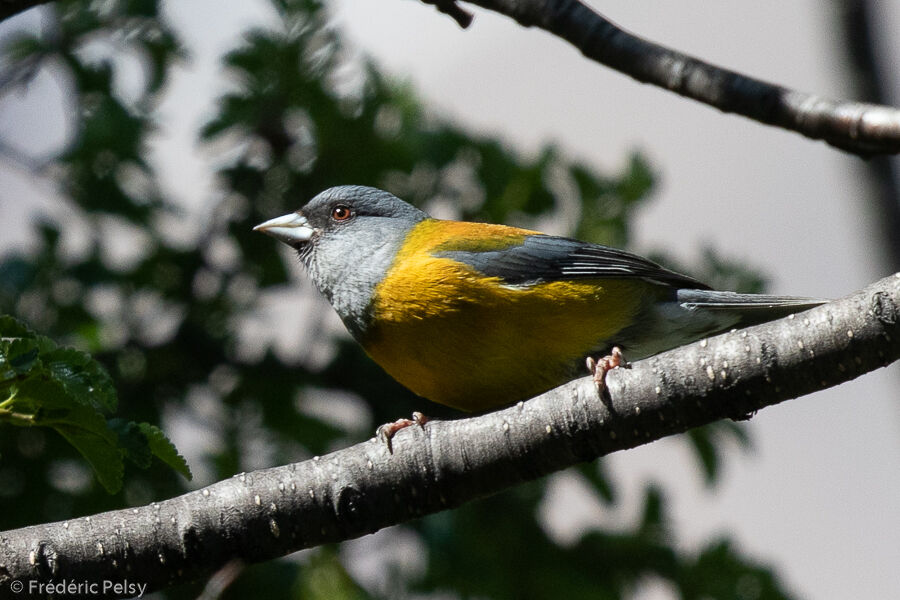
[819, 496]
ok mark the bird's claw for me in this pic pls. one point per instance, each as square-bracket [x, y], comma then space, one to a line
[600, 367]
[385, 433]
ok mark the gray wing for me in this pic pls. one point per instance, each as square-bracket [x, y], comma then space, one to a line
[542, 258]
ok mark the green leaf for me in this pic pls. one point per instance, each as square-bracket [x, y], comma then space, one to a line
[720, 572]
[164, 450]
[84, 378]
[102, 454]
[89, 433]
[597, 475]
[24, 47]
[708, 442]
[67, 390]
[36, 394]
[702, 441]
[21, 355]
[133, 442]
[637, 182]
[13, 328]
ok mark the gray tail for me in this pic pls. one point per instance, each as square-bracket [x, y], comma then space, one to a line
[752, 308]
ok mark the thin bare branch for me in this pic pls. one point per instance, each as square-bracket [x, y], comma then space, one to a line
[856, 127]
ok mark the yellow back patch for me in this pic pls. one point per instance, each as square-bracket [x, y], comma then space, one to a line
[459, 338]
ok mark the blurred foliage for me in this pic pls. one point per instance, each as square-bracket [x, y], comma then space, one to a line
[171, 325]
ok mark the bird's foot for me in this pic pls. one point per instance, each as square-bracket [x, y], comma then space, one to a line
[601, 366]
[386, 432]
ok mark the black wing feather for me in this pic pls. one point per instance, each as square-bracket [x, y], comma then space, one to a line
[543, 258]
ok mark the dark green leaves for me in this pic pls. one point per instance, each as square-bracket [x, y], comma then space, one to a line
[163, 449]
[709, 443]
[44, 385]
[721, 572]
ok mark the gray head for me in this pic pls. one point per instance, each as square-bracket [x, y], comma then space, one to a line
[347, 236]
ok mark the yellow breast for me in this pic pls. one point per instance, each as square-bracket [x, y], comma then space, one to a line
[468, 341]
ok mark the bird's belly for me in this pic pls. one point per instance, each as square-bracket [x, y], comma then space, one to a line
[476, 344]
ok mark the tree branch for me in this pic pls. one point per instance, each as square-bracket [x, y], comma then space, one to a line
[856, 127]
[450, 7]
[8, 8]
[859, 27]
[358, 490]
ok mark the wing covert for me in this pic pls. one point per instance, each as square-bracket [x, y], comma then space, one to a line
[540, 258]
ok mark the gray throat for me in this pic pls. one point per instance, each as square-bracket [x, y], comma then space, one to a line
[347, 268]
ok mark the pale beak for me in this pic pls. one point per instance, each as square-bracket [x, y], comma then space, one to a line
[292, 229]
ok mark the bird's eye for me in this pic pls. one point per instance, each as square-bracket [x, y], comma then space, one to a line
[341, 213]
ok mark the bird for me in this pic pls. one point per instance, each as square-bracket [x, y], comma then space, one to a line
[477, 316]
